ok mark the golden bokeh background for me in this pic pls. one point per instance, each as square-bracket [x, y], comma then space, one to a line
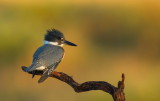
[113, 37]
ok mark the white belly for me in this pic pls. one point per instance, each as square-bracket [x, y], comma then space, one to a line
[40, 68]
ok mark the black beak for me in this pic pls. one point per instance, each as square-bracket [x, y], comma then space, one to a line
[69, 43]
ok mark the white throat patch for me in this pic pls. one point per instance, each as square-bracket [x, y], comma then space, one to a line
[52, 43]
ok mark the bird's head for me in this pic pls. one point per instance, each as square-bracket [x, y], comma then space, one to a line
[57, 38]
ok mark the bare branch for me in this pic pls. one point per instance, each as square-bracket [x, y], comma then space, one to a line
[116, 92]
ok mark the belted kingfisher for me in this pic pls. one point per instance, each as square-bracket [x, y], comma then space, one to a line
[47, 57]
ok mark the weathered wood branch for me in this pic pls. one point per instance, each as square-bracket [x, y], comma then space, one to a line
[116, 92]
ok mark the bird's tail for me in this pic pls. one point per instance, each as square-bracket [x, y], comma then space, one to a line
[46, 73]
[43, 77]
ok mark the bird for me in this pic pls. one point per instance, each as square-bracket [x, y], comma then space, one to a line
[47, 57]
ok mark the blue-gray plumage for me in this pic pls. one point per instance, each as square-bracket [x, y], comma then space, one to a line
[47, 57]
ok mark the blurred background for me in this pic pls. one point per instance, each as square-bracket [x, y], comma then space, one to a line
[113, 37]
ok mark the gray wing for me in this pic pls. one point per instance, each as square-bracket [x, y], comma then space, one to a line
[48, 56]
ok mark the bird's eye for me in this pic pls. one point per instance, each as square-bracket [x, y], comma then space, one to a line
[62, 39]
